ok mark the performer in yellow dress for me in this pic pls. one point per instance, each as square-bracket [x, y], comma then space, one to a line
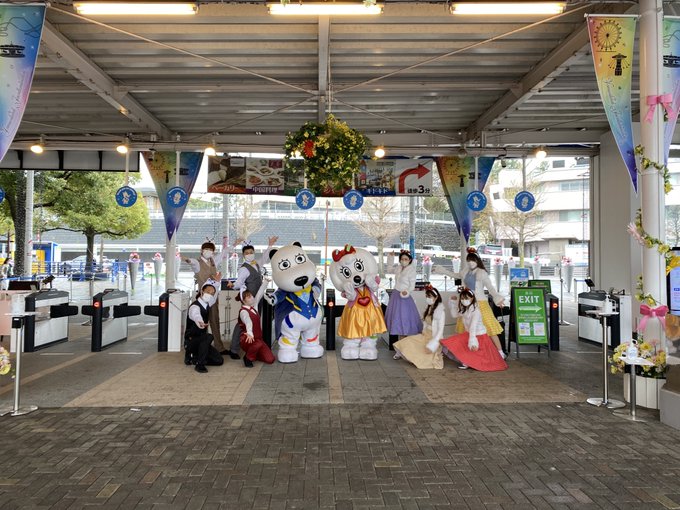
[354, 271]
[365, 318]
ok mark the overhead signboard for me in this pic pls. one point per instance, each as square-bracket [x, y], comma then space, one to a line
[388, 177]
[74, 161]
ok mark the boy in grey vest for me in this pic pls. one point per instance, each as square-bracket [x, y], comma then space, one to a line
[249, 276]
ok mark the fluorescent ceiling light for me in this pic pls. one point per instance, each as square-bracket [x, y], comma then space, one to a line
[135, 8]
[507, 8]
[325, 9]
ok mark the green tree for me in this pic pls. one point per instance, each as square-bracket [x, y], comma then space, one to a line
[87, 204]
[13, 182]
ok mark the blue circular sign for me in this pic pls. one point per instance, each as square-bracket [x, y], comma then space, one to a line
[353, 200]
[177, 197]
[305, 199]
[125, 196]
[2, 195]
[524, 201]
[476, 201]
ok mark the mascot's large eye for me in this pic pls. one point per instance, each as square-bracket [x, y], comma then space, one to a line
[300, 258]
[359, 266]
[346, 272]
[284, 264]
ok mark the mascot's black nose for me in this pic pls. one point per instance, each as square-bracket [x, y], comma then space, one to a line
[301, 281]
[357, 279]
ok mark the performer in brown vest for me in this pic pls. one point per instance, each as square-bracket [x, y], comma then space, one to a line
[206, 267]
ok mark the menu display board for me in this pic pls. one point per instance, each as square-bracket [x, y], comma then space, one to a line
[389, 177]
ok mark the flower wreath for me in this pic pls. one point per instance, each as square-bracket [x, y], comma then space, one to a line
[331, 153]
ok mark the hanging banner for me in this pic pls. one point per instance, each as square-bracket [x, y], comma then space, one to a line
[458, 178]
[611, 41]
[163, 169]
[20, 31]
[384, 177]
[671, 77]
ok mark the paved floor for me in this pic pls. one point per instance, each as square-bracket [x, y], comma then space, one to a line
[133, 428]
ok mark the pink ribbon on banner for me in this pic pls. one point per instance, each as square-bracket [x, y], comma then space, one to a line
[650, 313]
[665, 100]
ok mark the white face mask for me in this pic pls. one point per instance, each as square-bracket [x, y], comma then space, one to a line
[472, 265]
[466, 302]
[429, 301]
[250, 301]
[404, 263]
[206, 299]
[207, 254]
[249, 258]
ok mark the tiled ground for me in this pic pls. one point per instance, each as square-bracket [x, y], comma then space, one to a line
[133, 428]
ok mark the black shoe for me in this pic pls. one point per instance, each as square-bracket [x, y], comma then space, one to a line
[232, 355]
[201, 369]
[247, 362]
[187, 359]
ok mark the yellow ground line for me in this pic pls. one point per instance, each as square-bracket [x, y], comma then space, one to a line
[334, 382]
[47, 371]
[65, 364]
[239, 396]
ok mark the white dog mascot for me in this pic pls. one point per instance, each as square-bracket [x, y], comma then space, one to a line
[297, 313]
[354, 272]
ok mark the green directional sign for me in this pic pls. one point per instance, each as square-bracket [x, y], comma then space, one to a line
[531, 322]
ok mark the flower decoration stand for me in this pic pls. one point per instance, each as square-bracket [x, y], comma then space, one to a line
[604, 401]
[633, 362]
[18, 322]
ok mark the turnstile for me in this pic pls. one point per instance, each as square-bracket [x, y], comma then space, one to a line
[109, 312]
[589, 326]
[51, 324]
[171, 311]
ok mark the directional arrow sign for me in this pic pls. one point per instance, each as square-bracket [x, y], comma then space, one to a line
[529, 316]
[419, 171]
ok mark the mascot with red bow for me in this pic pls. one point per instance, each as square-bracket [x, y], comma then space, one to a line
[354, 271]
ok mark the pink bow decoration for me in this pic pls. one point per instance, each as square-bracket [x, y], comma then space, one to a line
[665, 100]
[650, 313]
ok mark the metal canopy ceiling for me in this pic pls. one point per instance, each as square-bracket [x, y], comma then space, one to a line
[415, 79]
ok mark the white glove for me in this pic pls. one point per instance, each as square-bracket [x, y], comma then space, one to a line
[432, 345]
[473, 344]
[270, 298]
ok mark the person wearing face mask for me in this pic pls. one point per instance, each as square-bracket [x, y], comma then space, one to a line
[423, 350]
[197, 340]
[476, 278]
[473, 348]
[249, 277]
[250, 325]
[402, 317]
[205, 267]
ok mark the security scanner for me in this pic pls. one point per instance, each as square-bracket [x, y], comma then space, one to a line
[50, 325]
[171, 311]
[109, 312]
[589, 325]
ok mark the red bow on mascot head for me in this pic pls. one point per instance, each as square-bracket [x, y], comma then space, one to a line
[338, 254]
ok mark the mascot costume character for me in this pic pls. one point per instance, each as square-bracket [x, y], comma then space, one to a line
[355, 273]
[297, 313]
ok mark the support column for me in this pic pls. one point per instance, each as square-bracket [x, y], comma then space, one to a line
[652, 137]
[170, 261]
[28, 212]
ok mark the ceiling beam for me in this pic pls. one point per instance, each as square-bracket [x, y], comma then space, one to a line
[62, 51]
[553, 65]
[324, 65]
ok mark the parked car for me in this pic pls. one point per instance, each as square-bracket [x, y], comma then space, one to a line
[432, 250]
[80, 262]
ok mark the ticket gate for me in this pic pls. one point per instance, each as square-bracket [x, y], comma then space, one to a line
[50, 326]
[109, 312]
[171, 311]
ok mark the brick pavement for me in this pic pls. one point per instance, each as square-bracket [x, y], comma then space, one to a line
[419, 456]
[116, 430]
